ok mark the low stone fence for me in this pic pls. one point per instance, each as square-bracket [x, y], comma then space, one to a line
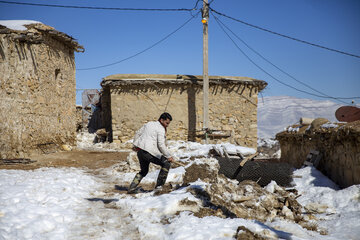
[338, 144]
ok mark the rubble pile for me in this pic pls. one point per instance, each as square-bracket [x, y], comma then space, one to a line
[206, 170]
[228, 198]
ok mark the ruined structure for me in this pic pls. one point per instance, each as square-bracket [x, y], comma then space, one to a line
[37, 88]
[337, 143]
[130, 100]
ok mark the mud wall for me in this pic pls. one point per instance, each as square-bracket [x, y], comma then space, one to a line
[37, 92]
[232, 109]
[339, 145]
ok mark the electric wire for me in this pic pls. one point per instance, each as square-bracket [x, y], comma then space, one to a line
[196, 4]
[99, 8]
[283, 35]
[276, 79]
[146, 49]
[268, 61]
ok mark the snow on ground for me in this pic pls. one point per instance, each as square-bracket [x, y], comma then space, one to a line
[340, 209]
[186, 150]
[17, 24]
[69, 203]
[42, 204]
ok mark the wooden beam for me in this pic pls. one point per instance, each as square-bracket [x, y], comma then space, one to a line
[242, 163]
[205, 67]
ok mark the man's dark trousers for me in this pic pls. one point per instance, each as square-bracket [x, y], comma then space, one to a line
[145, 159]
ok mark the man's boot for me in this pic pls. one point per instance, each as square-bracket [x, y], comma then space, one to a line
[134, 183]
[162, 175]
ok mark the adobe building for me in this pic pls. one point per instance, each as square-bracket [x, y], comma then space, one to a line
[37, 88]
[337, 145]
[130, 100]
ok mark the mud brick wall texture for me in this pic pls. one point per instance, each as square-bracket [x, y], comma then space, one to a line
[232, 109]
[37, 91]
[339, 146]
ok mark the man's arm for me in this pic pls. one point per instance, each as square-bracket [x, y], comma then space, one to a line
[138, 133]
[161, 144]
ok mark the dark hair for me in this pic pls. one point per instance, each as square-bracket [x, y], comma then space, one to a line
[165, 116]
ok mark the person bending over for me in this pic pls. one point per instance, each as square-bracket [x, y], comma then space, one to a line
[149, 142]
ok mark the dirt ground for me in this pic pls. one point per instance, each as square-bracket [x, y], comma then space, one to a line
[77, 158]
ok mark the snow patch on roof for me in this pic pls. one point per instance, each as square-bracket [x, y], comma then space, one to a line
[17, 24]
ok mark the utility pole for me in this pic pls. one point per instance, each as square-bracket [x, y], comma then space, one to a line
[205, 19]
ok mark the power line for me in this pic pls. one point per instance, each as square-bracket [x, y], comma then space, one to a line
[146, 49]
[99, 8]
[285, 84]
[268, 61]
[283, 35]
[196, 4]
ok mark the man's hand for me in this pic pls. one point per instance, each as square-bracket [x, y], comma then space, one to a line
[135, 149]
[171, 159]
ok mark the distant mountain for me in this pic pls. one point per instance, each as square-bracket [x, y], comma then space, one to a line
[276, 113]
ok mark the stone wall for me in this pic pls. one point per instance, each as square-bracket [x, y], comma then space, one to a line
[232, 109]
[339, 145]
[82, 118]
[37, 92]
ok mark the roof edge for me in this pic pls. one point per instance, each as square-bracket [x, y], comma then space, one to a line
[137, 79]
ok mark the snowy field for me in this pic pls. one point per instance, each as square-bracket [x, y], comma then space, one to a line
[70, 203]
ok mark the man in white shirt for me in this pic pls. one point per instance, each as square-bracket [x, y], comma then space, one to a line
[149, 142]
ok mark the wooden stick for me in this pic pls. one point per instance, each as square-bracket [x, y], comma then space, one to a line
[226, 153]
[179, 163]
[242, 163]
[240, 155]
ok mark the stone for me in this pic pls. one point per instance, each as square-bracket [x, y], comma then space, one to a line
[317, 123]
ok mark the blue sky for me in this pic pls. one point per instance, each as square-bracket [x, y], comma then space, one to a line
[109, 36]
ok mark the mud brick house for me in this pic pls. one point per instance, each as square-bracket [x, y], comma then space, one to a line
[37, 88]
[130, 100]
[337, 144]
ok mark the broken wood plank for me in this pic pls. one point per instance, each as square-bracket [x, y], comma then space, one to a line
[179, 163]
[226, 154]
[242, 163]
[240, 155]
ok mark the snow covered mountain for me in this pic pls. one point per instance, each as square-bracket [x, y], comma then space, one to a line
[276, 113]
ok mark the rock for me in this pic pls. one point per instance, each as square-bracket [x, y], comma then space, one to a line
[316, 208]
[66, 147]
[206, 171]
[287, 213]
[317, 123]
[242, 233]
[101, 132]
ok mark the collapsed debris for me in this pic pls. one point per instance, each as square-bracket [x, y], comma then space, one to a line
[262, 172]
[227, 198]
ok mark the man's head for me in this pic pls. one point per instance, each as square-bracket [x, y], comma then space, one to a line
[165, 119]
